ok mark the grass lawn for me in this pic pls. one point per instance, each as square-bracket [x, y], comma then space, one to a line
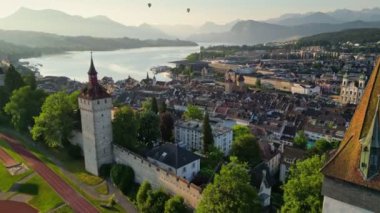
[75, 166]
[7, 180]
[63, 209]
[102, 188]
[45, 198]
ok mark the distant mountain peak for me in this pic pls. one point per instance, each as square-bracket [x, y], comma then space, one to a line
[51, 21]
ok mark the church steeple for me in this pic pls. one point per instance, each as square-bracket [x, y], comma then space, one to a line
[93, 89]
[92, 74]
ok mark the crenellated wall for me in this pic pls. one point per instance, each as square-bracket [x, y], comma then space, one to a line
[158, 178]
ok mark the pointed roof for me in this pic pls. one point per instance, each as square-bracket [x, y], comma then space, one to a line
[93, 90]
[344, 164]
[92, 70]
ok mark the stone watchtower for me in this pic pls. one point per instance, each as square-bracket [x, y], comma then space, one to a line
[95, 107]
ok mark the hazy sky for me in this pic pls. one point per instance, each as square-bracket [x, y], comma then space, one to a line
[134, 12]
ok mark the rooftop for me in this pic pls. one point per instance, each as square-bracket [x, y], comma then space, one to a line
[172, 155]
[344, 165]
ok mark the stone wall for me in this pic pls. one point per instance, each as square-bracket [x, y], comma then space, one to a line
[158, 178]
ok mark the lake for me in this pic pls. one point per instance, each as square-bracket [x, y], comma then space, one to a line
[116, 64]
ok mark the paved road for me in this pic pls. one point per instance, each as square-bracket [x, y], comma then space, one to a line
[69, 195]
[7, 159]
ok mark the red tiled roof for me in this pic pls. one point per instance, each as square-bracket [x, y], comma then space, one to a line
[344, 165]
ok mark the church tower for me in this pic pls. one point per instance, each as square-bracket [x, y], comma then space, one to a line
[95, 107]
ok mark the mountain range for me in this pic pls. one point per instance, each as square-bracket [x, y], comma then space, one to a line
[285, 27]
[253, 32]
[334, 17]
[57, 22]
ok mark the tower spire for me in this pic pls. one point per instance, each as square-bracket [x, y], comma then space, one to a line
[92, 74]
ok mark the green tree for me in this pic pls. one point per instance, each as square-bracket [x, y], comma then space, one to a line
[55, 122]
[125, 127]
[322, 145]
[166, 126]
[240, 130]
[208, 138]
[154, 105]
[175, 205]
[193, 57]
[302, 191]
[246, 149]
[193, 113]
[30, 80]
[142, 194]
[155, 203]
[13, 80]
[147, 105]
[258, 83]
[163, 107]
[300, 140]
[149, 129]
[24, 104]
[231, 191]
[116, 174]
[122, 176]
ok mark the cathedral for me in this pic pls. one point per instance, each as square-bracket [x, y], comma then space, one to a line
[351, 91]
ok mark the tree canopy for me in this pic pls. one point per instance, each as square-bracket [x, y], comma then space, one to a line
[208, 138]
[193, 113]
[246, 149]
[240, 130]
[175, 205]
[13, 80]
[125, 127]
[142, 194]
[154, 105]
[302, 191]
[300, 140]
[55, 122]
[155, 203]
[230, 192]
[149, 130]
[23, 105]
[166, 126]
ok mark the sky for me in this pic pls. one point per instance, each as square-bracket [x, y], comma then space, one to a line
[171, 12]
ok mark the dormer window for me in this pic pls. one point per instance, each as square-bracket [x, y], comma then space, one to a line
[370, 152]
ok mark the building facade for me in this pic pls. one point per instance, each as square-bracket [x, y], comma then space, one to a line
[176, 159]
[305, 89]
[95, 107]
[189, 135]
[352, 175]
[351, 91]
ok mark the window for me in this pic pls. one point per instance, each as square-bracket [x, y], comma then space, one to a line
[98, 102]
[184, 169]
[193, 165]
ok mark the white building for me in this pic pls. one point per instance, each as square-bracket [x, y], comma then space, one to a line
[95, 108]
[351, 91]
[175, 159]
[305, 89]
[189, 135]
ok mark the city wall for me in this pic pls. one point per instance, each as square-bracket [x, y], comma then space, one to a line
[157, 177]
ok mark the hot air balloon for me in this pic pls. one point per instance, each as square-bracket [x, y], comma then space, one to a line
[149, 5]
[188, 10]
